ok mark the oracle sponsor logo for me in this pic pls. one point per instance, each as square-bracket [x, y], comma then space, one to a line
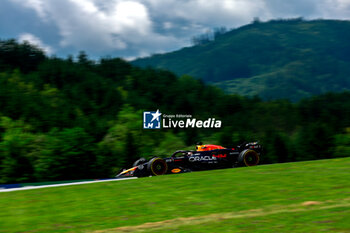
[202, 158]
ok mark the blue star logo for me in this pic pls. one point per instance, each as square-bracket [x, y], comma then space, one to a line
[151, 120]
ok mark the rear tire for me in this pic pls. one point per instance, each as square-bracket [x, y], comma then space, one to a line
[157, 166]
[248, 158]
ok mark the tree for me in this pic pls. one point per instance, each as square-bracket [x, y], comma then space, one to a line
[16, 164]
[342, 144]
[66, 154]
[23, 56]
[315, 141]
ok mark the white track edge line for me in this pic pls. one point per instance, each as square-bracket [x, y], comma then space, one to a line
[64, 184]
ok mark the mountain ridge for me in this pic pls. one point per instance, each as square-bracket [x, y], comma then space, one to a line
[276, 59]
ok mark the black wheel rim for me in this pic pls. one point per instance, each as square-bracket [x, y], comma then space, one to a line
[159, 167]
[251, 158]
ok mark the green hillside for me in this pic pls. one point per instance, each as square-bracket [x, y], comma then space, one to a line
[71, 119]
[292, 197]
[277, 59]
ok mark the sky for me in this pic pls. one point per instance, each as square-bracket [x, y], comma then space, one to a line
[139, 28]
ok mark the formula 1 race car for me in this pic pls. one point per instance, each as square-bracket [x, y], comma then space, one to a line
[205, 157]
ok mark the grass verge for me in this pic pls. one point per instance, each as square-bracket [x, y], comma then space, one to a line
[306, 196]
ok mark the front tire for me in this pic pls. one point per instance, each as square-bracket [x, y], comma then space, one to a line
[157, 166]
[248, 158]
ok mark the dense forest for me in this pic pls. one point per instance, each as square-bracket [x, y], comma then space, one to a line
[290, 58]
[76, 118]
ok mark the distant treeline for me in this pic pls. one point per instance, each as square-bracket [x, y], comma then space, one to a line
[76, 118]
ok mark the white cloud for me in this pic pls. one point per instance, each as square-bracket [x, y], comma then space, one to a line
[209, 13]
[86, 25]
[138, 27]
[31, 39]
[37, 5]
[339, 9]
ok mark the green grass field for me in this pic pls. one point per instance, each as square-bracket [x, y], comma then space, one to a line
[293, 197]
